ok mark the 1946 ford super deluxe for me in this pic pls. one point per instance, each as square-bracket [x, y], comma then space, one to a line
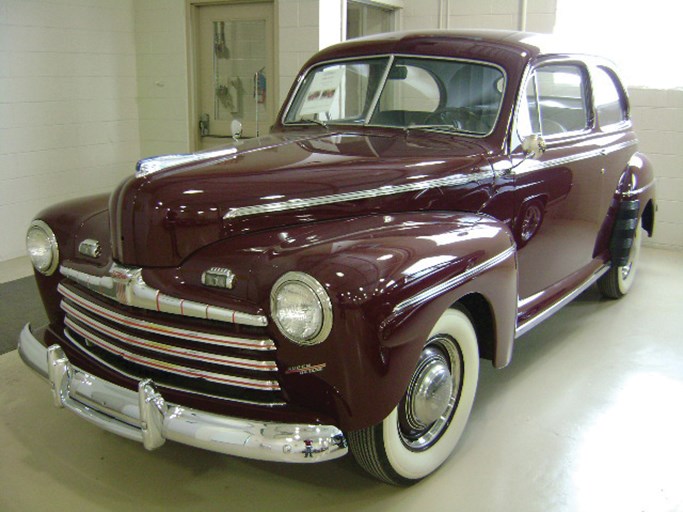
[422, 201]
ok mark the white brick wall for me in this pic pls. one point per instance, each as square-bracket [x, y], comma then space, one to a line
[298, 38]
[496, 14]
[68, 113]
[658, 118]
[160, 38]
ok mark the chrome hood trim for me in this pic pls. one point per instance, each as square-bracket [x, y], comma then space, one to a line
[388, 190]
[126, 286]
[159, 163]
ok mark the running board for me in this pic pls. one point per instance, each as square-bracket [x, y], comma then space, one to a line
[554, 308]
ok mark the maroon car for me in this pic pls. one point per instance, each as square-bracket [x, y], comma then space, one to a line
[422, 201]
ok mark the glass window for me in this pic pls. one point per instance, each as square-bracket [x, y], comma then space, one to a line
[608, 97]
[410, 88]
[451, 95]
[448, 95]
[555, 102]
[338, 92]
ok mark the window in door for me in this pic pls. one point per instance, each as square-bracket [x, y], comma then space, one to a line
[555, 102]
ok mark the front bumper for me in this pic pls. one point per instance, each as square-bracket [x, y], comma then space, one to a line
[146, 417]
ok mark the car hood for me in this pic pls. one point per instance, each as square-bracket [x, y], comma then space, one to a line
[160, 218]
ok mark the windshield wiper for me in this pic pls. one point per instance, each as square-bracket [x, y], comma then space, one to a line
[443, 128]
[450, 128]
[314, 121]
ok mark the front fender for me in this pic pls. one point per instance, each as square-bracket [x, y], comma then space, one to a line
[389, 277]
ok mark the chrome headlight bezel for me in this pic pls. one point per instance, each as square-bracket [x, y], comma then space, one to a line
[51, 246]
[321, 301]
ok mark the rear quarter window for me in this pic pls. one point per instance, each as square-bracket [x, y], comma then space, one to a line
[609, 97]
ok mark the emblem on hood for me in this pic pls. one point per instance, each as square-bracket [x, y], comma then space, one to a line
[90, 248]
[218, 277]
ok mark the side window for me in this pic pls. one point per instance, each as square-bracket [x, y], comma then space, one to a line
[609, 98]
[555, 102]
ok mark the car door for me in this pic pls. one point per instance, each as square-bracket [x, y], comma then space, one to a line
[557, 194]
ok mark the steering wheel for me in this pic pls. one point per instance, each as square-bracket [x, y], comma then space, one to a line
[461, 118]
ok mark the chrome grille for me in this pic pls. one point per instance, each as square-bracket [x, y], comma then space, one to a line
[200, 360]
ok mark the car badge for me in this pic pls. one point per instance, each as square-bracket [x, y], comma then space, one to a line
[218, 277]
[90, 248]
[304, 369]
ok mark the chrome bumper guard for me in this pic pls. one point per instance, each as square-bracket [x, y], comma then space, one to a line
[146, 417]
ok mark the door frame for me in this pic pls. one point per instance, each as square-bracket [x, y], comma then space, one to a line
[192, 48]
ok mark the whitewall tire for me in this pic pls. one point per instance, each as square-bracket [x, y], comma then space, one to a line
[424, 428]
[617, 281]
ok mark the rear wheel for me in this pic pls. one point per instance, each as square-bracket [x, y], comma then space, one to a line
[617, 281]
[424, 428]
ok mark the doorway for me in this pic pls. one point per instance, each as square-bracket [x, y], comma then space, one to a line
[234, 71]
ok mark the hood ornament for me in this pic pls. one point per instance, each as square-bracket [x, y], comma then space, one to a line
[159, 163]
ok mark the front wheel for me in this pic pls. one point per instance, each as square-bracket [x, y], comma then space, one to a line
[424, 428]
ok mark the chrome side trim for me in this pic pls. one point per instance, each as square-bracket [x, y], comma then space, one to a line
[126, 286]
[145, 416]
[388, 190]
[631, 193]
[215, 339]
[158, 163]
[536, 165]
[162, 348]
[454, 282]
[185, 371]
[554, 308]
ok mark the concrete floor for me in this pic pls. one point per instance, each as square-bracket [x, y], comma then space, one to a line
[588, 417]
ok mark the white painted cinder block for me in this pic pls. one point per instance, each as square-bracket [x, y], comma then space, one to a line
[69, 120]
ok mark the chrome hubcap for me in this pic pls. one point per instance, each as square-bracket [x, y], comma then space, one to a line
[532, 216]
[432, 394]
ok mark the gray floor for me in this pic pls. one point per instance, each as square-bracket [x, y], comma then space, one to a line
[19, 304]
[588, 417]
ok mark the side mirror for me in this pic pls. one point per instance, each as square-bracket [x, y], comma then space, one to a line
[533, 145]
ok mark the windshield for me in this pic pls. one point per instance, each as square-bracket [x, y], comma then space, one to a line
[404, 92]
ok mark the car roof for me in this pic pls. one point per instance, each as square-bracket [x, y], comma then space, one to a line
[483, 43]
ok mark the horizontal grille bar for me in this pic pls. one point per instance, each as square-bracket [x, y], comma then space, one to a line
[195, 355]
[199, 360]
[256, 344]
[170, 367]
[275, 402]
[126, 286]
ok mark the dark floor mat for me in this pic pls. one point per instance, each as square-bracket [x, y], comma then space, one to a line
[19, 304]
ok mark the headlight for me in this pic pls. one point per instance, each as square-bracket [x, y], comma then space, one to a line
[301, 308]
[41, 244]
